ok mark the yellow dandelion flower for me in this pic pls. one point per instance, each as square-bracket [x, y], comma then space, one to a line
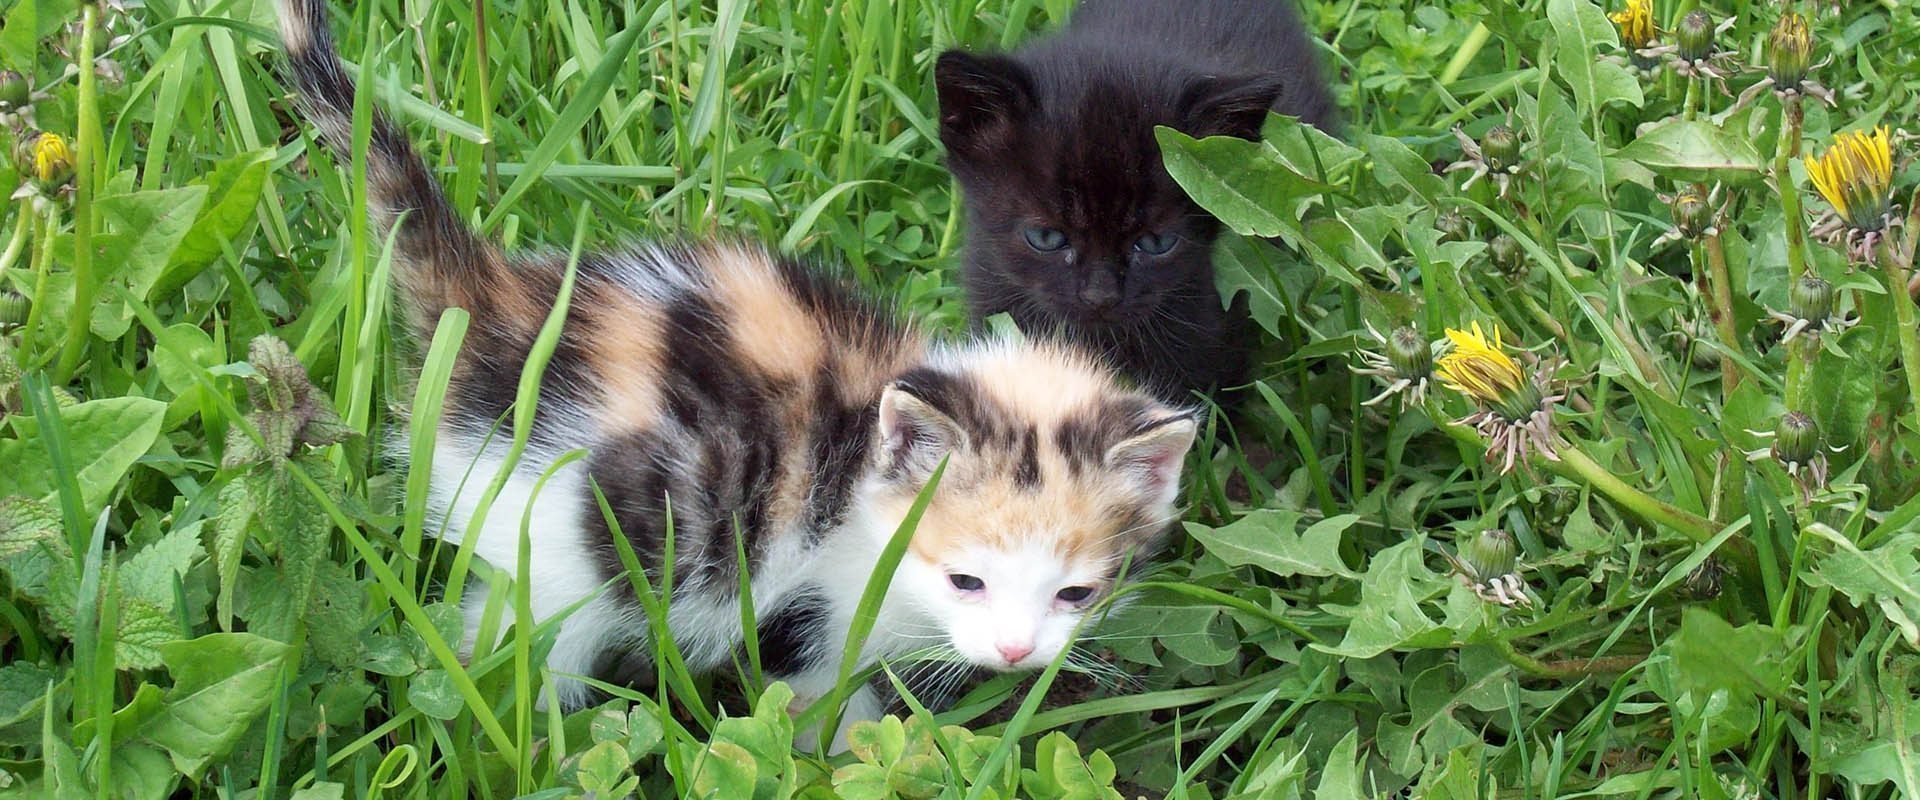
[1516, 411]
[52, 159]
[1635, 23]
[1479, 368]
[1855, 175]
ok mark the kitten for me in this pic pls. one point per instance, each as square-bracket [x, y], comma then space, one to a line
[764, 400]
[1073, 224]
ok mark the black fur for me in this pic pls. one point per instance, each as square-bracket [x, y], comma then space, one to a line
[789, 637]
[1060, 135]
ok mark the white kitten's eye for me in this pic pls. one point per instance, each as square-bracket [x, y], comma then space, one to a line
[965, 583]
[1074, 594]
[1045, 240]
[1156, 244]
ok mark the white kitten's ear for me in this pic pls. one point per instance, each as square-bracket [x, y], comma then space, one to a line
[983, 99]
[914, 436]
[1229, 106]
[1149, 460]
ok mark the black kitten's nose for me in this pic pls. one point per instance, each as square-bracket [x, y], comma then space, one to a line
[1102, 290]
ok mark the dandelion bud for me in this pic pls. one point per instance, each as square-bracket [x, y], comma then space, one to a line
[1453, 226]
[1797, 439]
[1492, 554]
[1409, 352]
[1811, 299]
[1692, 214]
[1508, 257]
[52, 161]
[1695, 36]
[13, 309]
[1501, 147]
[1789, 51]
[14, 92]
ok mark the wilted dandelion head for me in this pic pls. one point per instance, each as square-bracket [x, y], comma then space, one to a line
[1635, 23]
[1789, 50]
[1516, 412]
[1479, 367]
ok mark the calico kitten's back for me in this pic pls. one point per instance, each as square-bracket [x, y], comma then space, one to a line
[747, 406]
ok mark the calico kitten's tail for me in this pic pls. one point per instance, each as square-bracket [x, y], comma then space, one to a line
[441, 262]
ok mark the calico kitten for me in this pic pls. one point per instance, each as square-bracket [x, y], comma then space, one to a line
[760, 399]
[1073, 224]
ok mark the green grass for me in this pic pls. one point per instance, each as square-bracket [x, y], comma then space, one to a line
[214, 584]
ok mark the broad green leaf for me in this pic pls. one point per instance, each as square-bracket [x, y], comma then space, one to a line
[1271, 539]
[1397, 167]
[1691, 150]
[148, 227]
[235, 186]
[221, 681]
[104, 438]
[1709, 655]
[322, 790]
[142, 772]
[299, 528]
[1581, 35]
[1242, 183]
[432, 692]
[1341, 777]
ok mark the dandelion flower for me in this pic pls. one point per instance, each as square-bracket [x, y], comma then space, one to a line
[1855, 176]
[1516, 409]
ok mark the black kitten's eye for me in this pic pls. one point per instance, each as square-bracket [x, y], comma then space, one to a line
[1156, 244]
[965, 583]
[1046, 240]
[1074, 594]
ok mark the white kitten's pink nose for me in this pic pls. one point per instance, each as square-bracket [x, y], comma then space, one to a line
[1014, 651]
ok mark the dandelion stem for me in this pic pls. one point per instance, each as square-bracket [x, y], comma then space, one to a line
[44, 230]
[1565, 670]
[1897, 268]
[1574, 464]
[19, 241]
[1720, 309]
[1469, 47]
[86, 142]
[1791, 117]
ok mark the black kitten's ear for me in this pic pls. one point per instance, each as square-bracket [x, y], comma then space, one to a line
[983, 99]
[1229, 106]
[914, 435]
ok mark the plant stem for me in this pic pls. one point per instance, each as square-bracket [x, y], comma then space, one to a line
[1791, 117]
[19, 241]
[1567, 669]
[1903, 318]
[86, 141]
[44, 230]
[1470, 47]
[1574, 464]
[1720, 310]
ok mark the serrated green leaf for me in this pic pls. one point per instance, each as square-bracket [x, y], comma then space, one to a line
[1389, 616]
[30, 524]
[144, 628]
[1244, 184]
[149, 575]
[1886, 577]
[23, 688]
[230, 528]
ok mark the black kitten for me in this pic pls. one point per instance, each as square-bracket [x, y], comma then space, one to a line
[1073, 224]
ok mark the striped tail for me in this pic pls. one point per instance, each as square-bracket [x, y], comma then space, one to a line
[440, 261]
